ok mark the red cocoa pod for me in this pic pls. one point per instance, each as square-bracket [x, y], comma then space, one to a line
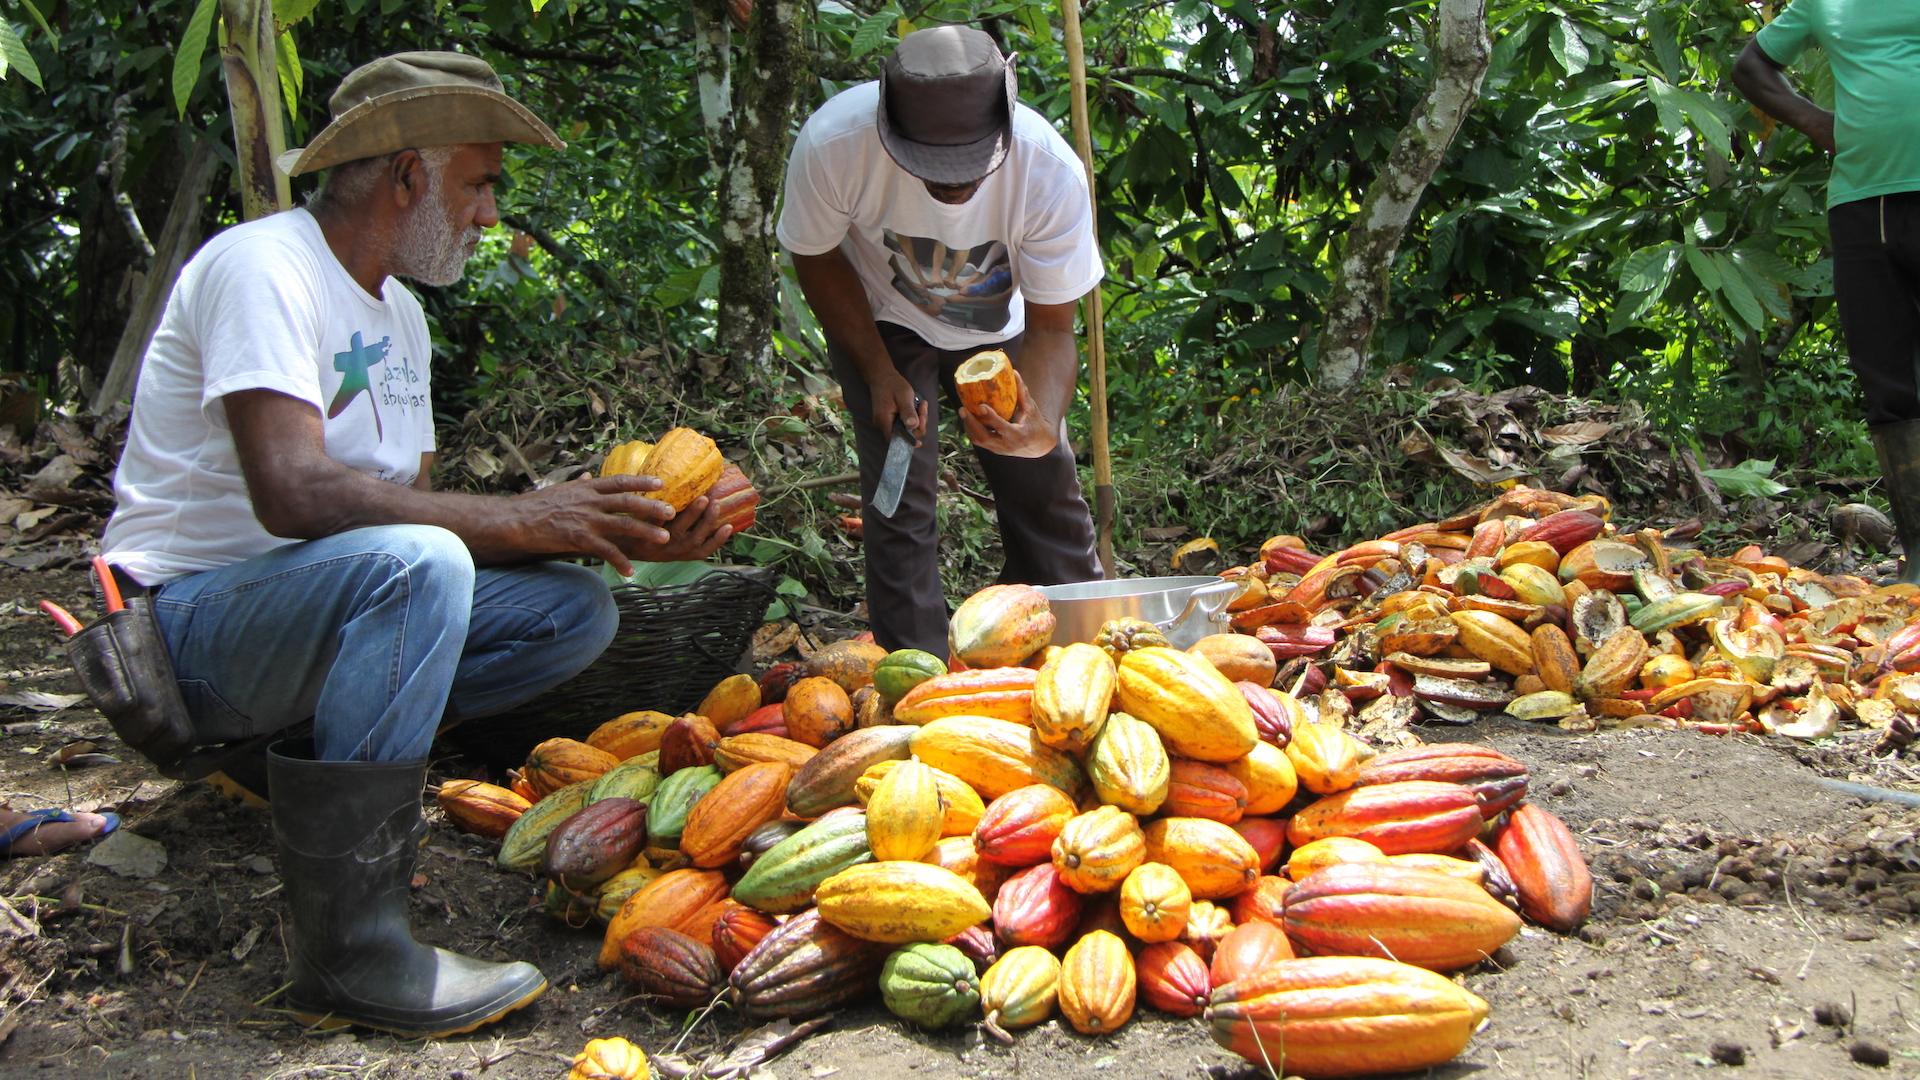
[1019, 828]
[736, 931]
[687, 742]
[765, 720]
[670, 967]
[1268, 837]
[1496, 779]
[1247, 948]
[1548, 871]
[1034, 907]
[1270, 716]
[595, 843]
[1172, 978]
[775, 680]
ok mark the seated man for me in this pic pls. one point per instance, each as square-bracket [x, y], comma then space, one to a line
[274, 499]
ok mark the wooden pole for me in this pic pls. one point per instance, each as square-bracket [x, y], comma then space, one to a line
[1096, 338]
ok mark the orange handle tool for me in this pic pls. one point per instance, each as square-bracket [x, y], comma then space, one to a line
[68, 624]
[109, 588]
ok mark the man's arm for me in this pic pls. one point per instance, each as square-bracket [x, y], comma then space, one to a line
[1765, 84]
[839, 301]
[1048, 368]
[423, 480]
[299, 492]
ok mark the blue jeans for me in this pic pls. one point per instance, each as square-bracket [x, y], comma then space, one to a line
[380, 635]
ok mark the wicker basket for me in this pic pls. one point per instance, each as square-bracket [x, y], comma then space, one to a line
[674, 643]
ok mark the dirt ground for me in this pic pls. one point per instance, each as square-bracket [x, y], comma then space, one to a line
[1744, 912]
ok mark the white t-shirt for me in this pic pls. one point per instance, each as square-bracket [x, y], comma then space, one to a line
[955, 275]
[263, 306]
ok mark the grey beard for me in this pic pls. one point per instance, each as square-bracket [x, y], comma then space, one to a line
[426, 250]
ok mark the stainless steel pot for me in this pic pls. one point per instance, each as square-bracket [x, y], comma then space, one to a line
[1186, 609]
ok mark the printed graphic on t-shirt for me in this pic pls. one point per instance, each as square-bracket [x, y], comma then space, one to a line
[968, 287]
[354, 366]
[399, 383]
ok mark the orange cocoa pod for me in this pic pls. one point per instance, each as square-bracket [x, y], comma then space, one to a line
[1325, 1015]
[1316, 855]
[1097, 984]
[1001, 693]
[675, 899]
[686, 462]
[986, 378]
[1264, 902]
[1215, 861]
[480, 808]
[556, 763]
[1240, 657]
[1207, 923]
[730, 700]
[631, 734]
[1554, 659]
[1268, 837]
[1496, 779]
[1154, 901]
[1416, 916]
[1548, 871]
[818, 711]
[736, 931]
[718, 825]
[1095, 851]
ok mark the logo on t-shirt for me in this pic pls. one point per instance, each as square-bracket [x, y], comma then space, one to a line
[354, 365]
[968, 288]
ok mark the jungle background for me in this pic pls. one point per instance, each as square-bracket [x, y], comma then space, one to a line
[1615, 280]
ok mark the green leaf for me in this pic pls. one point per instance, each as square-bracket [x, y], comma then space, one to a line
[537, 5]
[1704, 114]
[186, 60]
[14, 55]
[1666, 102]
[286, 58]
[1569, 51]
[1666, 45]
[1739, 294]
[1649, 269]
[289, 13]
[40, 20]
[1705, 270]
[872, 32]
[1749, 479]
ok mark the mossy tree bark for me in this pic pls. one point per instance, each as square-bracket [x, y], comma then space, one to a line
[749, 121]
[1458, 50]
[247, 61]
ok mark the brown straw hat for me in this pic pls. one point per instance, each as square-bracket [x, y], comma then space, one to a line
[946, 104]
[412, 100]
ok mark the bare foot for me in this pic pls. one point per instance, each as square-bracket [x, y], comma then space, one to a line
[51, 836]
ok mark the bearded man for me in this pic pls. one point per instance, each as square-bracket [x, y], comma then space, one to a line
[275, 503]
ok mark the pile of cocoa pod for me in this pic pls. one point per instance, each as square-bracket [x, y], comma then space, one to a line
[1082, 829]
[1536, 606]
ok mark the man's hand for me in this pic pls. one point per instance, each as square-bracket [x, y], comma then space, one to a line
[893, 396]
[1821, 132]
[603, 517]
[1027, 433]
[692, 535]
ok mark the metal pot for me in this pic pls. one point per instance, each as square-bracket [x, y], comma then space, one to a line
[1185, 609]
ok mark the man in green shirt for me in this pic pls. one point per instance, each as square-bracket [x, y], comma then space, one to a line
[1873, 206]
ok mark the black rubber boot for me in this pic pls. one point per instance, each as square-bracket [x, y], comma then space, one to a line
[1899, 448]
[348, 833]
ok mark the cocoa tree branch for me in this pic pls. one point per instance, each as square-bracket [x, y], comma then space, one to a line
[564, 56]
[568, 257]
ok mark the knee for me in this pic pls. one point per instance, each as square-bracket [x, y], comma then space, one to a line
[428, 556]
[583, 610]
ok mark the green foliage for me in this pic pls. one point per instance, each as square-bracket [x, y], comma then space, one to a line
[193, 46]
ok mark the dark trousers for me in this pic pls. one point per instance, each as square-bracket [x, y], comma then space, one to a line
[1046, 531]
[1876, 279]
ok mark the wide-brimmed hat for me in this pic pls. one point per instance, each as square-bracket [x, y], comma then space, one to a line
[416, 99]
[946, 104]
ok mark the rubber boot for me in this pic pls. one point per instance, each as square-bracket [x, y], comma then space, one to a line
[1899, 448]
[348, 833]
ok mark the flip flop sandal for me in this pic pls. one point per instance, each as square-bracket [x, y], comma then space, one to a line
[36, 818]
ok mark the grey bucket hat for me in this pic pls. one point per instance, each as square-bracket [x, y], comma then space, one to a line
[416, 99]
[946, 104]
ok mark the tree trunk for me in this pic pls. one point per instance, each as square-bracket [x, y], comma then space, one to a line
[748, 124]
[1459, 51]
[253, 93]
[178, 238]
